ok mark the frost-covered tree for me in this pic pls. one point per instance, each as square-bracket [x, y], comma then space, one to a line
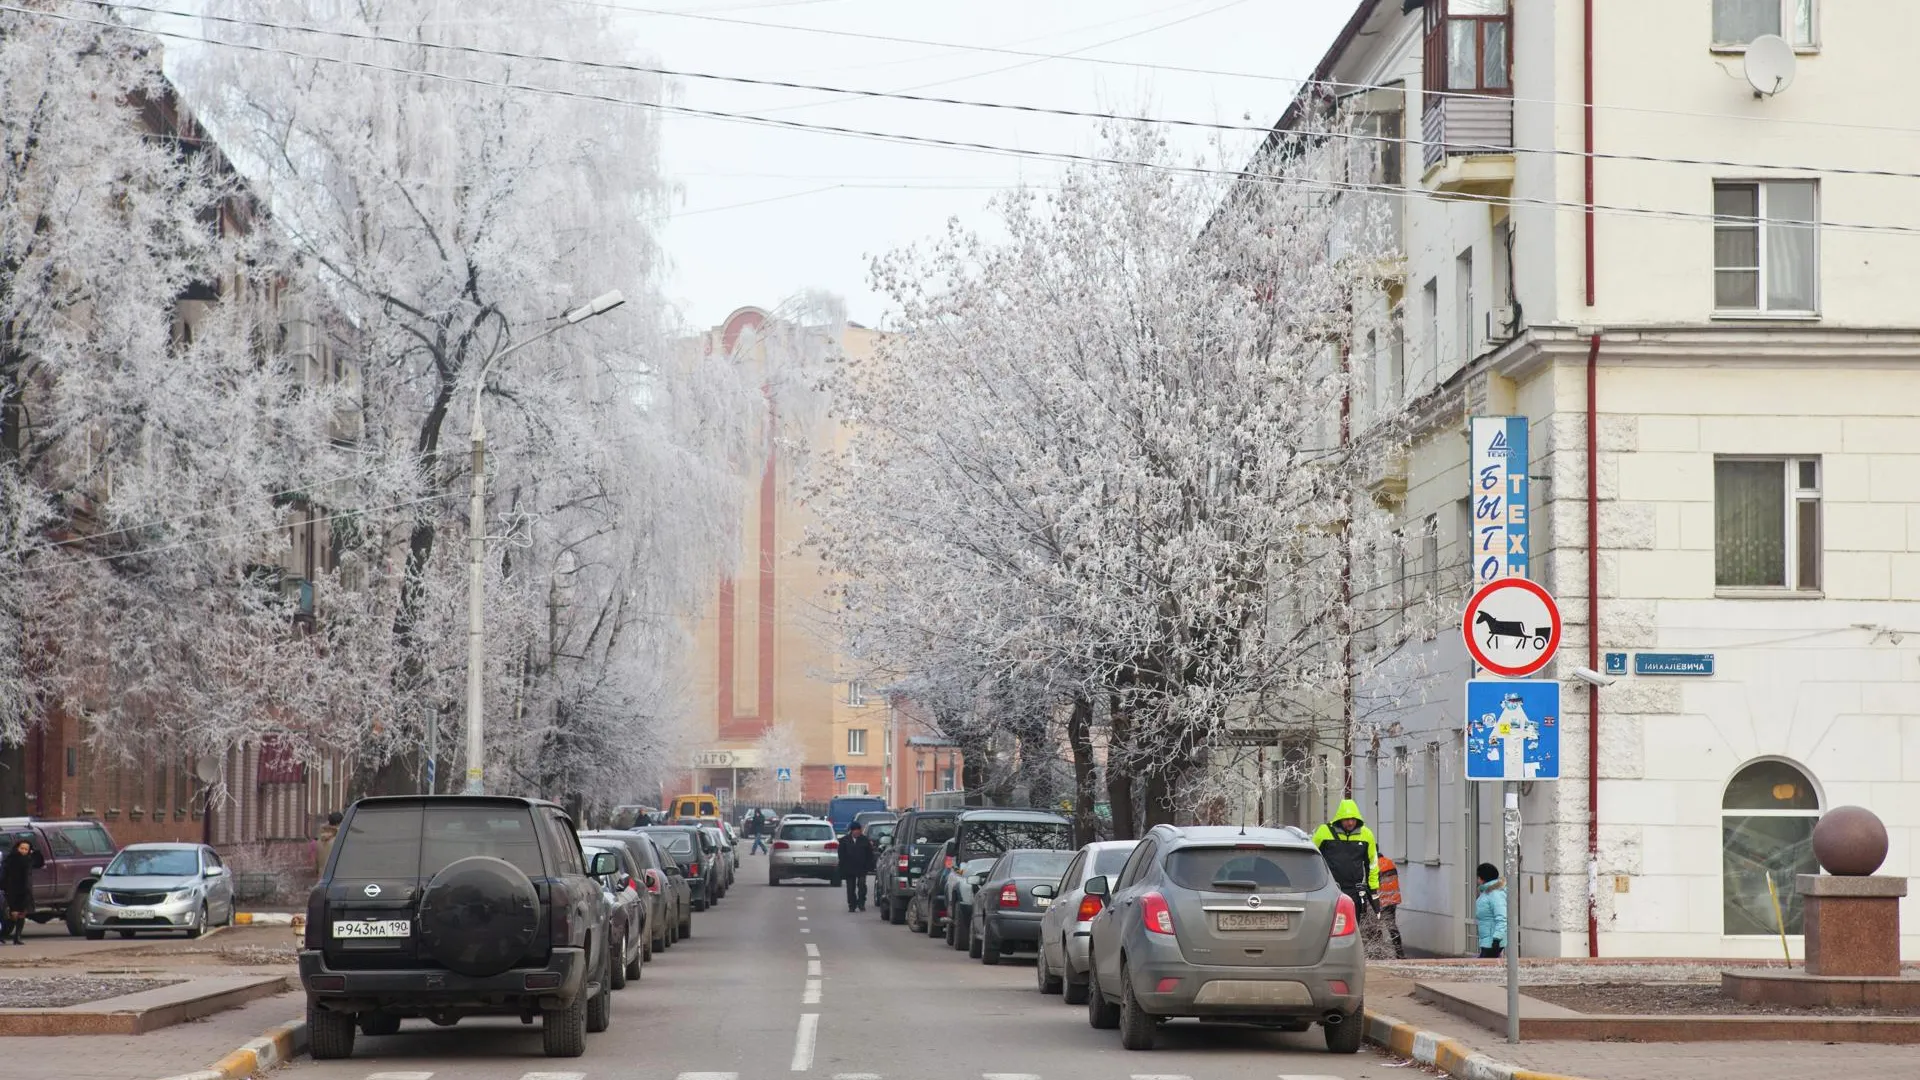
[1115, 454]
[444, 220]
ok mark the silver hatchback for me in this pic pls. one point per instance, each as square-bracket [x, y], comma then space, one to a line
[804, 848]
[1228, 925]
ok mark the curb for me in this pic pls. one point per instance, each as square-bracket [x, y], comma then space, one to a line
[276, 1047]
[267, 918]
[1450, 1056]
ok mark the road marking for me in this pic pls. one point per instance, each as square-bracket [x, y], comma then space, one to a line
[811, 995]
[804, 930]
[856, 1076]
[812, 949]
[708, 1076]
[553, 1076]
[1009, 1076]
[1307, 1076]
[803, 918]
[813, 967]
[400, 1076]
[1161, 1076]
[803, 1040]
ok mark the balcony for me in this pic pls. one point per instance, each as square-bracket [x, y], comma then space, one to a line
[1468, 145]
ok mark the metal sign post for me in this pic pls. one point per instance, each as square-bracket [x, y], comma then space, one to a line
[1510, 828]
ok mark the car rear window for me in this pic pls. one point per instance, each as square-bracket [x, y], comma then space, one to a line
[1108, 861]
[937, 830]
[999, 837]
[90, 839]
[416, 841]
[813, 831]
[880, 833]
[679, 843]
[1211, 868]
[1039, 863]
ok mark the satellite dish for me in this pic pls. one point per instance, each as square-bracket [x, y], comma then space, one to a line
[207, 769]
[1770, 64]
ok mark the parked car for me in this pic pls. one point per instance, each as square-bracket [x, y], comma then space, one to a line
[988, 834]
[697, 858]
[164, 887]
[960, 887]
[73, 856]
[449, 906]
[927, 908]
[676, 886]
[842, 809]
[629, 915]
[723, 856]
[733, 842]
[917, 837]
[633, 815]
[1061, 966]
[804, 849]
[1007, 910]
[867, 819]
[1224, 923]
[662, 900]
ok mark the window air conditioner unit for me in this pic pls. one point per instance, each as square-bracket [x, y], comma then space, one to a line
[1502, 323]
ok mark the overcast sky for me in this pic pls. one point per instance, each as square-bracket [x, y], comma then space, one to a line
[761, 214]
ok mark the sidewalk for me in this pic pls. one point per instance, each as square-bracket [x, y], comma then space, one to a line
[182, 1048]
[1646, 1061]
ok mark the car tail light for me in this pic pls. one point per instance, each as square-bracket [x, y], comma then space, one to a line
[693, 869]
[780, 845]
[1346, 917]
[903, 864]
[1089, 907]
[833, 845]
[653, 882]
[1009, 895]
[948, 864]
[1156, 914]
[562, 922]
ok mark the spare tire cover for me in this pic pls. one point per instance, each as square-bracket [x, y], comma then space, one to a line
[479, 916]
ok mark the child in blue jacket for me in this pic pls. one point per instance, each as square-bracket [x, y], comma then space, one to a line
[1490, 911]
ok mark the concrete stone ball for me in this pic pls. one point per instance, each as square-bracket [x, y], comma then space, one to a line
[1850, 841]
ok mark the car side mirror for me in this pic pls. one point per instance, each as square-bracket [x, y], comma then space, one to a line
[1043, 892]
[1097, 886]
[603, 864]
[212, 871]
[39, 862]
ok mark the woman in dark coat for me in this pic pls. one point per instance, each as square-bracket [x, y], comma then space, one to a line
[16, 889]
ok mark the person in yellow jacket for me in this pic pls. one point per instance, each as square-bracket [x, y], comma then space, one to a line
[1352, 856]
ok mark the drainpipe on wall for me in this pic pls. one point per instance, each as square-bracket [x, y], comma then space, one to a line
[1593, 517]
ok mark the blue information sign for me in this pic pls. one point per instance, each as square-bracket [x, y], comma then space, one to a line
[1672, 663]
[839, 772]
[1616, 663]
[1513, 729]
[783, 775]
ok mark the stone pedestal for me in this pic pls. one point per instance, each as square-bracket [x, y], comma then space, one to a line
[1852, 924]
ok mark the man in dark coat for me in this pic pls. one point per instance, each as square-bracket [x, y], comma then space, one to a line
[16, 888]
[856, 862]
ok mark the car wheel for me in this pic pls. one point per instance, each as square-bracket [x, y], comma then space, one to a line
[76, 914]
[1138, 1029]
[1346, 1036]
[1049, 983]
[617, 966]
[563, 1032]
[834, 881]
[953, 934]
[199, 925]
[633, 965]
[686, 928]
[95, 935]
[379, 1023]
[773, 878]
[1073, 989]
[600, 1008]
[126, 935]
[975, 945]
[1101, 1013]
[883, 907]
[329, 1034]
[962, 921]
[700, 904]
[896, 912]
[989, 947]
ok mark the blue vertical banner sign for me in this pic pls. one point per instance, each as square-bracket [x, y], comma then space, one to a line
[1499, 497]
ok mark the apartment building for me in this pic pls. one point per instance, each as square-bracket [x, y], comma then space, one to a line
[1695, 293]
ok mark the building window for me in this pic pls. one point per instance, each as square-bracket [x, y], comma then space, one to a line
[1463, 304]
[1766, 523]
[1766, 833]
[1397, 359]
[1738, 22]
[857, 740]
[1430, 805]
[1467, 42]
[1402, 809]
[1430, 307]
[1766, 250]
[856, 693]
[857, 789]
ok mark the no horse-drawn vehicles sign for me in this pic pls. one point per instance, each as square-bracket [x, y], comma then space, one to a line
[1512, 627]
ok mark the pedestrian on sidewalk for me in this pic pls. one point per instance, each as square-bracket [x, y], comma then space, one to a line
[1490, 911]
[16, 889]
[1352, 856]
[856, 862]
[758, 827]
[1385, 919]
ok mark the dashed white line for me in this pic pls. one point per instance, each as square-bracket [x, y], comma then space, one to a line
[856, 1076]
[1009, 1076]
[813, 967]
[813, 950]
[804, 930]
[811, 995]
[1161, 1076]
[803, 918]
[554, 1076]
[803, 1040]
[400, 1076]
[708, 1076]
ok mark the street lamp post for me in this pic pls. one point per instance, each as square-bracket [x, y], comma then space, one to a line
[477, 545]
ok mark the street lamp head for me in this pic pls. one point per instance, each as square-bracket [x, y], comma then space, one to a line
[599, 305]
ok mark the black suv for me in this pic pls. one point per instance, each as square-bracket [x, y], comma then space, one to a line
[446, 906]
[917, 837]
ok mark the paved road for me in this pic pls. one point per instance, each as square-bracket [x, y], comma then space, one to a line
[785, 983]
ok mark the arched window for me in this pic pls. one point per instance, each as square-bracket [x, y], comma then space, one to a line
[1766, 832]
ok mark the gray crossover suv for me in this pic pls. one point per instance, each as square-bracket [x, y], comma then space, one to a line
[1228, 925]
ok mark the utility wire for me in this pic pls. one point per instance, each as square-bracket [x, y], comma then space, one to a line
[972, 103]
[1242, 175]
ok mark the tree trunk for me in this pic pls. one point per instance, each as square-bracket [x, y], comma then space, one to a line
[1080, 739]
[1119, 777]
[1159, 798]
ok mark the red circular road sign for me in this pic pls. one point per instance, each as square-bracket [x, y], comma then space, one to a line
[1512, 627]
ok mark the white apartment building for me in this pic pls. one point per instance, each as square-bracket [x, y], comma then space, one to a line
[1712, 336]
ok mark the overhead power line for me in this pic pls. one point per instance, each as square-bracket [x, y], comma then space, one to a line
[973, 103]
[1064, 156]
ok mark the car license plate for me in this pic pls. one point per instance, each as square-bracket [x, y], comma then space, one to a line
[135, 913]
[1252, 920]
[1042, 902]
[388, 928]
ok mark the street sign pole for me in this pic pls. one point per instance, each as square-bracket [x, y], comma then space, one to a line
[1510, 828]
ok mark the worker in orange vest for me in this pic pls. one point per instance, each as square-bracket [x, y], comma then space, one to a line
[1384, 917]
